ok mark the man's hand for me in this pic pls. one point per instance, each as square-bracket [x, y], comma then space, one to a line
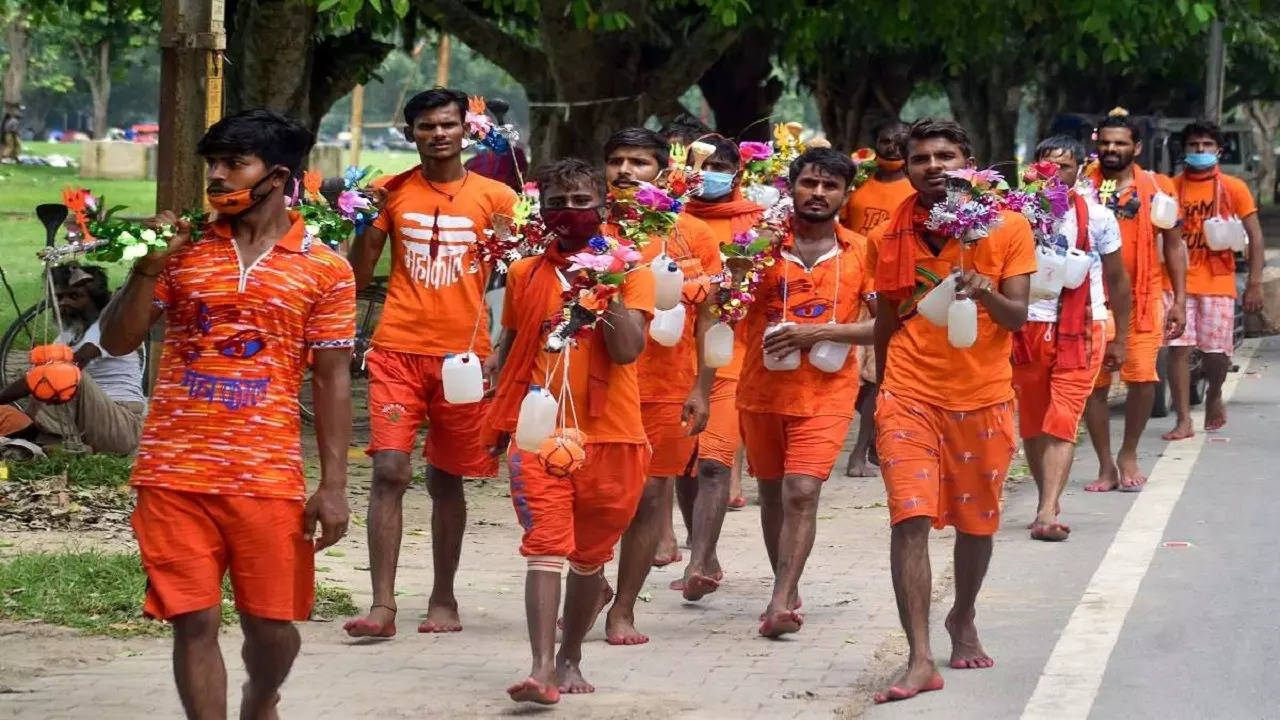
[694, 414]
[328, 506]
[1176, 321]
[1114, 356]
[794, 337]
[492, 365]
[974, 285]
[153, 262]
[1253, 297]
[377, 195]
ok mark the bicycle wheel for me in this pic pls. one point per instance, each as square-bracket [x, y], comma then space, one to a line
[369, 303]
[35, 326]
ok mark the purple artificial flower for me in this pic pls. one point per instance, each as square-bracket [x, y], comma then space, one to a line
[350, 202]
[652, 196]
[751, 150]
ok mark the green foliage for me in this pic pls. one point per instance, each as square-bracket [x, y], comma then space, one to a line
[85, 470]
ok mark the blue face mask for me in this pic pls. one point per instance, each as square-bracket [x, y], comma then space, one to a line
[716, 184]
[1201, 161]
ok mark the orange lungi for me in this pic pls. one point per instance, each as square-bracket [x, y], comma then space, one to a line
[944, 464]
[721, 439]
[1050, 399]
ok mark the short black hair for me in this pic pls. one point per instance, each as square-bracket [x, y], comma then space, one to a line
[927, 128]
[1203, 128]
[726, 149]
[96, 285]
[684, 128]
[827, 160]
[436, 97]
[277, 139]
[567, 172]
[1061, 143]
[1121, 120]
[642, 138]
[889, 124]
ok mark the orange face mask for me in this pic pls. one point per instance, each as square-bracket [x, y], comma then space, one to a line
[238, 201]
[890, 165]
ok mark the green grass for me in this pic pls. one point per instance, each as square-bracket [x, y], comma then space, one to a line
[102, 593]
[83, 470]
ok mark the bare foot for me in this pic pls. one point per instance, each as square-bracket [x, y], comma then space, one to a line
[256, 707]
[1215, 413]
[667, 554]
[1049, 531]
[1057, 510]
[1108, 479]
[442, 617]
[783, 622]
[1131, 477]
[380, 622]
[913, 680]
[532, 690]
[966, 650]
[859, 469]
[1182, 430]
[569, 677]
[620, 628]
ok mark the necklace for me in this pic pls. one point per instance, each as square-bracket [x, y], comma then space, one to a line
[465, 174]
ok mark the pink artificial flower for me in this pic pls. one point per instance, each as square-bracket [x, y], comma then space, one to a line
[590, 261]
[652, 196]
[350, 202]
[751, 150]
[625, 254]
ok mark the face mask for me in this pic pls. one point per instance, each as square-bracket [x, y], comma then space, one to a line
[716, 184]
[1201, 161]
[574, 225]
[890, 165]
[239, 201]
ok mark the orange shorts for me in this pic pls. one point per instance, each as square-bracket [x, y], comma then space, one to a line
[673, 448]
[1051, 400]
[188, 541]
[583, 516]
[780, 445]
[942, 464]
[405, 390]
[721, 440]
[1141, 349]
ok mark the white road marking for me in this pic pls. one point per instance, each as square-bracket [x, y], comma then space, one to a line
[1071, 678]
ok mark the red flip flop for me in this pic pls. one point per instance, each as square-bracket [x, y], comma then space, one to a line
[895, 693]
[782, 623]
[530, 690]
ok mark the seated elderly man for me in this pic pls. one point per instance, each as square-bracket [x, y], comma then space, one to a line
[107, 410]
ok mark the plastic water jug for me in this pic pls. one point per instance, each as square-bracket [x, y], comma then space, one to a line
[1164, 211]
[668, 281]
[790, 361]
[1239, 238]
[667, 325]
[1217, 233]
[463, 379]
[962, 323]
[829, 356]
[933, 306]
[717, 346]
[766, 196]
[537, 418]
[1046, 282]
[1076, 269]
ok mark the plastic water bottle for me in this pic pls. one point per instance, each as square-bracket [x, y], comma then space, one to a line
[1217, 233]
[829, 356]
[463, 379]
[1046, 281]
[667, 325]
[717, 345]
[537, 419]
[1239, 238]
[962, 323]
[1164, 211]
[790, 361]
[933, 306]
[668, 281]
[1077, 264]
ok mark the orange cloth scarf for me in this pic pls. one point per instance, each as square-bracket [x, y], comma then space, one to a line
[742, 214]
[896, 268]
[1147, 266]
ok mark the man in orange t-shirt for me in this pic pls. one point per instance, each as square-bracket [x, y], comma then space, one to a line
[1205, 192]
[434, 214]
[794, 415]
[706, 494]
[578, 518]
[674, 382]
[869, 206]
[247, 307]
[945, 414]
[1128, 191]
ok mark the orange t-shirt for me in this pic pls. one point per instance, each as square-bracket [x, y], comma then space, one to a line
[831, 290]
[667, 374]
[433, 305]
[223, 416]
[873, 203]
[721, 229]
[1197, 198]
[620, 422]
[921, 362]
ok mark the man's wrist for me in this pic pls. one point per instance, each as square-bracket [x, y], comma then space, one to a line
[146, 269]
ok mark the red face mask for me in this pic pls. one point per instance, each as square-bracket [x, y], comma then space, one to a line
[573, 225]
[239, 201]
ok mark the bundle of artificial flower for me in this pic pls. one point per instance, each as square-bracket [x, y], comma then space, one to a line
[972, 205]
[746, 257]
[604, 264]
[522, 234]
[864, 164]
[107, 238]
[1043, 199]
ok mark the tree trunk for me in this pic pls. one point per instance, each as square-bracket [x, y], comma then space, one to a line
[100, 90]
[987, 106]
[15, 72]
[851, 102]
[739, 87]
[1264, 117]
